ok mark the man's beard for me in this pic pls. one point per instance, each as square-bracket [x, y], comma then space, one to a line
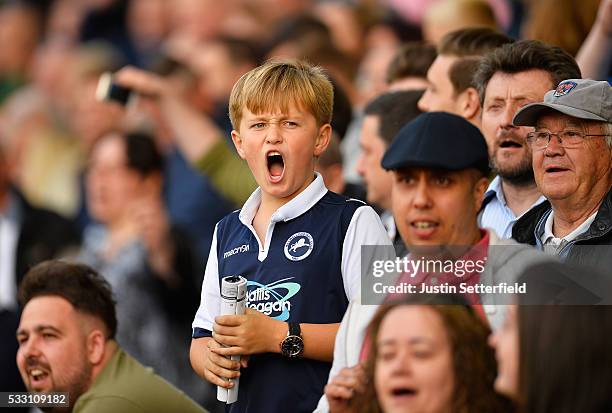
[520, 174]
[75, 389]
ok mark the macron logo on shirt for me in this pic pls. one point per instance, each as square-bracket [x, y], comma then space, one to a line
[237, 250]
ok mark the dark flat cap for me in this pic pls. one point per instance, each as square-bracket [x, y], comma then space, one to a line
[438, 140]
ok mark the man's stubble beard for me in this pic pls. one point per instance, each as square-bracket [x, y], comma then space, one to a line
[76, 389]
[521, 174]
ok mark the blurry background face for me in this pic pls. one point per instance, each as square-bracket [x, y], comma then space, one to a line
[371, 78]
[505, 341]
[436, 207]
[64, 21]
[342, 21]
[378, 182]
[111, 184]
[216, 70]
[49, 74]
[440, 94]
[91, 118]
[198, 19]
[414, 366]
[18, 37]
[52, 353]
[504, 96]
[148, 20]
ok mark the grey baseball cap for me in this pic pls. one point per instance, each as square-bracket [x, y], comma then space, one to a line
[579, 98]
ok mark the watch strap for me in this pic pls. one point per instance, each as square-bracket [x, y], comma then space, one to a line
[294, 329]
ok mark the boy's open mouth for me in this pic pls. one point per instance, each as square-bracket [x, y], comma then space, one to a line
[276, 165]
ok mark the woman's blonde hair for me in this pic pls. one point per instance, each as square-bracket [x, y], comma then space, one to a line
[278, 83]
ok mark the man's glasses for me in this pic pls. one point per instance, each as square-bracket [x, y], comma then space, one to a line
[567, 138]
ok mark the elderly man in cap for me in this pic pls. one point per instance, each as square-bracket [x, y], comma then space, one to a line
[572, 163]
[440, 166]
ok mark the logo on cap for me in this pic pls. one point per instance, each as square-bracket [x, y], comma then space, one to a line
[564, 88]
[299, 246]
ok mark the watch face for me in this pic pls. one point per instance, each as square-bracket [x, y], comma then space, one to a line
[292, 346]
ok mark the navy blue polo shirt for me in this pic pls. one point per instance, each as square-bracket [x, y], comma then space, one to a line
[306, 270]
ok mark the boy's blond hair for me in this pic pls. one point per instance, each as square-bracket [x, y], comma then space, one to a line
[278, 83]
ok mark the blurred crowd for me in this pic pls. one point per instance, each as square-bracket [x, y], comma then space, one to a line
[135, 190]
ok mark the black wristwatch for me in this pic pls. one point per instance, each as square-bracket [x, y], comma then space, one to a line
[292, 346]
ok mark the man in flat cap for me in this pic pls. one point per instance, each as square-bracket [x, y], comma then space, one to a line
[572, 163]
[440, 166]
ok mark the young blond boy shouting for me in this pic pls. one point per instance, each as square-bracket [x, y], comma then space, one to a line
[297, 244]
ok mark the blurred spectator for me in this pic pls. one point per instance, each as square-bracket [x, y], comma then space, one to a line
[577, 16]
[448, 16]
[384, 117]
[20, 30]
[148, 24]
[149, 262]
[52, 122]
[450, 86]
[191, 198]
[510, 77]
[218, 64]
[370, 82]
[595, 54]
[105, 21]
[456, 375]
[533, 348]
[36, 135]
[197, 20]
[91, 119]
[408, 69]
[329, 165]
[344, 25]
[64, 21]
[371, 78]
[28, 235]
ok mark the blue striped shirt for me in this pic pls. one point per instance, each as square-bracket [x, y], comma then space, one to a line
[496, 214]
